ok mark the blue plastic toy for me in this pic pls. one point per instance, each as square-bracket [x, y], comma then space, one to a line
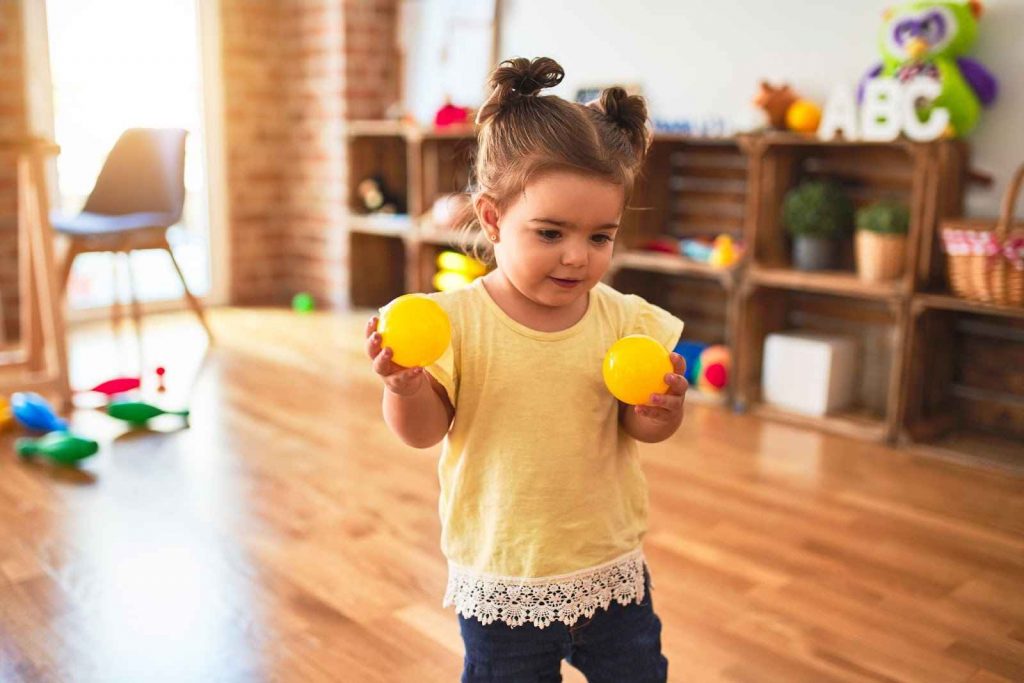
[690, 351]
[33, 411]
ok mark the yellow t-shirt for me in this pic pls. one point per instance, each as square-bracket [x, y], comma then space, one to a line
[540, 484]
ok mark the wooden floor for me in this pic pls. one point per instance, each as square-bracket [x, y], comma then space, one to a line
[287, 536]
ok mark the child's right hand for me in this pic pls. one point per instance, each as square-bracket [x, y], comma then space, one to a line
[398, 379]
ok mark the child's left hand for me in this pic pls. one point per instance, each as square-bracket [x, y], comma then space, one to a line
[668, 407]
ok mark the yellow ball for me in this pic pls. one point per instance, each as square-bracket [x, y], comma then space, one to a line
[803, 116]
[635, 367]
[447, 280]
[453, 260]
[416, 329]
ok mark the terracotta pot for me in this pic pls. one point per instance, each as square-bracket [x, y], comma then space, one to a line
[880, 257]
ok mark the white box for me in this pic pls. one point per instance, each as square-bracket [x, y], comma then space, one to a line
[808, 372]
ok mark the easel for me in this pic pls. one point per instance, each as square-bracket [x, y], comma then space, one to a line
[39, 361]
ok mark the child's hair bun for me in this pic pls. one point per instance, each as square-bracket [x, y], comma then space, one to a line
[516, 79]
[627, 112]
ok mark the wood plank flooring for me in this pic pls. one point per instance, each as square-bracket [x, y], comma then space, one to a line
[286, 535]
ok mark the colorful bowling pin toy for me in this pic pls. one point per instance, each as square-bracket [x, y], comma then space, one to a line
[137, 412]
[6, 416]
[33, 411]
[118, 385]
[61, 447]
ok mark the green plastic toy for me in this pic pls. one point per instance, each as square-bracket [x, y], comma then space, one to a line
[137, 412]
[303, 302]
[61, 447]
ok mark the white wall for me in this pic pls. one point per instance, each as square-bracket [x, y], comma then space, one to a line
[697, 58]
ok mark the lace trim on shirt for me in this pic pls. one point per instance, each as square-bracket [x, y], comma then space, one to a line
[540, 601]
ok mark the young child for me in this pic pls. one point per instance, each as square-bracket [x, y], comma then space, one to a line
[543, 502]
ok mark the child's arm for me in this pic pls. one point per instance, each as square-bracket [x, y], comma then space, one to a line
[659, 419]
[416, 407]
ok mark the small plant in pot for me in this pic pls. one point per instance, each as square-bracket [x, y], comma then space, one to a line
[881, 242]
[818, 215]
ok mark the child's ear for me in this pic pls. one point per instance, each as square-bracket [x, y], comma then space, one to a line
[487, 214]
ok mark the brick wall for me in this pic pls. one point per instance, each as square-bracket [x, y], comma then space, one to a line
[294, 71]
[13, 124]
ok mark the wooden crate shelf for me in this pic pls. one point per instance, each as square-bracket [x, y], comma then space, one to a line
[699, 188]
[964, 388]
[667, 264]
[877, 325]
[826, 282]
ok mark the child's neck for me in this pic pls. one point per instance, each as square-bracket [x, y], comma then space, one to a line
[527, 312]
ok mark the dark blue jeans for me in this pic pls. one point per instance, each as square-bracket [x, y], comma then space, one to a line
[616, 645]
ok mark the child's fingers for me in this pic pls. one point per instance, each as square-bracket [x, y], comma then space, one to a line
[371, 326]
[678, 363]
[373, 345]
[405, 381]
[382, 364]
[669, 402]
[677, 384]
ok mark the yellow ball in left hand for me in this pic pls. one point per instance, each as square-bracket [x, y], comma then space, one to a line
[416, 329]
[635, 367]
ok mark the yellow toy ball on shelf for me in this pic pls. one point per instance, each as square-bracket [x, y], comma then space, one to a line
[447, 280]
[803, 116]
[453, 260]
[635, 367]
[416, 329]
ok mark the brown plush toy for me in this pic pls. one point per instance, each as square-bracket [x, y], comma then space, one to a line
[775, 101]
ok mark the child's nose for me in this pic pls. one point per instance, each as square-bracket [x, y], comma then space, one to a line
[575, 254]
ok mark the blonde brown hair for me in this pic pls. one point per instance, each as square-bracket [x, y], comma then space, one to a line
[522, 134]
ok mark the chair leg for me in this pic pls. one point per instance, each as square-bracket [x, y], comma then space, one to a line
[66, 265]
[192, 301]
[136, 307]
[115, 303]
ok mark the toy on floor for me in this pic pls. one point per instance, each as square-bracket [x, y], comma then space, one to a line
[303, 302]
[160, 373]
[138, 412]
[690, 351]
[61, 447]
[6, 416]
[34, 412]
[635, 367]
[930, 40]
[118, 385]
[713, 369]
[416, 329]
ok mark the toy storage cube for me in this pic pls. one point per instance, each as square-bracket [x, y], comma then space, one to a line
[808, 372]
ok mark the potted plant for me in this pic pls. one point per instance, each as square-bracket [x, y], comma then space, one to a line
[881, 241]
[818, 215]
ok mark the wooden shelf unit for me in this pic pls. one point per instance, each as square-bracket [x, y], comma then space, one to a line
[964, 387]
[703, 187]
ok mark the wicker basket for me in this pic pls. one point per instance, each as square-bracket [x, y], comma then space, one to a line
[880, 257]
[986, 258]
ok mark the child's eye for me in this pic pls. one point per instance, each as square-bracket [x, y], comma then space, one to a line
[601, 239]
[549, 235]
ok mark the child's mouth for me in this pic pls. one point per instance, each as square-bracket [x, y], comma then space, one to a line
[568, 284]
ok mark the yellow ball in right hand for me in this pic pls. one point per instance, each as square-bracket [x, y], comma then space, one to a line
[635, 367]
[416, 329]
